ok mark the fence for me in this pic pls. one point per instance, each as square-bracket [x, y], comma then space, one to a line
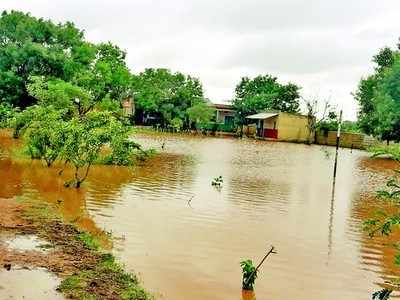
[347, 139]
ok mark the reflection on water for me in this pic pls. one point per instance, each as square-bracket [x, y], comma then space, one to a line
[273, 193]
[248, 295]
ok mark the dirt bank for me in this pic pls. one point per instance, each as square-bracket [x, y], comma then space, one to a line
[74, 255]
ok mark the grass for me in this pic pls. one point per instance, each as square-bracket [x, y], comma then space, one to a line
[123, 285]
[390, 151]
[96, 273]
[90, 241]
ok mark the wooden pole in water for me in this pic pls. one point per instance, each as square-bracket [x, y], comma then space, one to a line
[337, 144]
[271, 251]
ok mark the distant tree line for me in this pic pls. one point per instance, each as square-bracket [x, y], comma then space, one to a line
[41, 61]
[52, 64]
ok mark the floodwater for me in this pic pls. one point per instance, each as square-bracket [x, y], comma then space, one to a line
[186, 238]
[24, 242]
[23, 284]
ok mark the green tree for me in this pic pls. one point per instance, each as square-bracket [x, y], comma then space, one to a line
[200, 113]
[364, 96]
[31, 47]
[61, 95]
[166, 95]
[264, 92]
[384, 59]
[86, 137]
[46, 134]
[78, 140]
[369, 96]
[387, 104]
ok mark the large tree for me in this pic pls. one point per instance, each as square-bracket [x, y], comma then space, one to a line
[370, 95]
[264, 92]
[167, 95]
[56, 52]
[386, 101]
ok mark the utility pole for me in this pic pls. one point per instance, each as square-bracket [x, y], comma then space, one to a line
[333, 186]
[337, 145]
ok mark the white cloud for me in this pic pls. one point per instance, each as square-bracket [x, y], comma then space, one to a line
[324, 46]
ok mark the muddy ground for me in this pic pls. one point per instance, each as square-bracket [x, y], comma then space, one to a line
[66, 254]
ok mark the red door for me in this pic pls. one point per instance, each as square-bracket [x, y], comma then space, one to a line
[271, 133]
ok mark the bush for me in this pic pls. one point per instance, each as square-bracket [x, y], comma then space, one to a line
[176, 123]
[214, 127]
[7, 112]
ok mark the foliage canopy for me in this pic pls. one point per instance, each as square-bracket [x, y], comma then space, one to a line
[262, 93]
[33, 49]
[378, 96]
[167, 95]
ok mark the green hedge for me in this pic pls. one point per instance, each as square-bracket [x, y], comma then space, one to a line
[212, 126]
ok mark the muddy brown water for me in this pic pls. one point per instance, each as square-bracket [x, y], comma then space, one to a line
[273, 194]
[23, 284]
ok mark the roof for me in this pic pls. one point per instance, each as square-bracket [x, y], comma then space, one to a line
[222, 106]
[263, 116]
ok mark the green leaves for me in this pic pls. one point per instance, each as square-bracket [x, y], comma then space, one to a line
[169, 95]
[262, 93]
[382, 294]
[249, 274]
[392, 152]
[7, 113]
[60, 94]
[384, 223]
[58, 53]
[76, 139]
[378, 96]
[200, 113]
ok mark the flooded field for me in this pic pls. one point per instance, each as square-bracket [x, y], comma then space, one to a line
[186, 237]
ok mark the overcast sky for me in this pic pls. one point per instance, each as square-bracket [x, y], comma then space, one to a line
[323, 46]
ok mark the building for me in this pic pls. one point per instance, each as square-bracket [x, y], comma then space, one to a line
[224, 113]
[281, 126]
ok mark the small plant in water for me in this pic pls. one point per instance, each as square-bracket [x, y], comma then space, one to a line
[217, 181]
[382, 295]
[250, 271]
[249, 274]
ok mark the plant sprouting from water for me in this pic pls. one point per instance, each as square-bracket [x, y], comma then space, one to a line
[249, 274]
[382, 295]
[393, 189]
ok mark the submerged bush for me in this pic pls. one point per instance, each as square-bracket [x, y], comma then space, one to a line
[77, 139]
